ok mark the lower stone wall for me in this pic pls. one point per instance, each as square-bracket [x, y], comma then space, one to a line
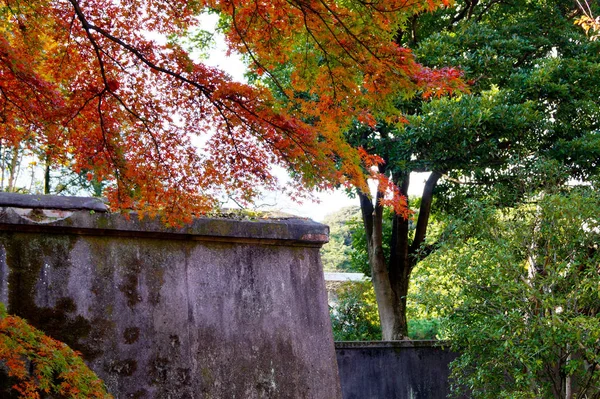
[393, 370]
[218, 309]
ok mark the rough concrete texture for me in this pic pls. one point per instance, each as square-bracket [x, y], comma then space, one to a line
[393, 370]
[52, 202]
[63, 218]
[162, 313]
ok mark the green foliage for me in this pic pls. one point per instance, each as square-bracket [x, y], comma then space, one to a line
[336, 254]
[521, 297]
[534, 101]
[423, 328]
[39, 365]
[359, 256]
[355, 317]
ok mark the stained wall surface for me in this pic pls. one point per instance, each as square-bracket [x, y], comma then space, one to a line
[219, 309]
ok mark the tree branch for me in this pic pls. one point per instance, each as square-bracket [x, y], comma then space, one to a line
[366, 209]
[399, 242]
[424, 212]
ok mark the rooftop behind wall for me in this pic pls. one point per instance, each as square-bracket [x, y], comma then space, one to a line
[221, 308]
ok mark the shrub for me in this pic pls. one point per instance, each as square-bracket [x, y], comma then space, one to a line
[36, 364]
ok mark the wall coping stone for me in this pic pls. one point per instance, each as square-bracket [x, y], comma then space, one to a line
[90, 216]
[391, 344]
[52, 202]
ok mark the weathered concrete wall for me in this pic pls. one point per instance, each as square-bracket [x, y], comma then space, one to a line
[393, 370]
[218, 309]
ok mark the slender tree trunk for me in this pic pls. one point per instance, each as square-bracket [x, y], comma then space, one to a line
[14, 170]
[47, 176]
[391, 313]
[3, 166]
[391, 281]
[569, 379]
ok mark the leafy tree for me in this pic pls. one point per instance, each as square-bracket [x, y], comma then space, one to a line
[423, 322]
[528, 113]
[354, 317]
[85, 86]
[520, 298]
[36, 364]
[10, 164]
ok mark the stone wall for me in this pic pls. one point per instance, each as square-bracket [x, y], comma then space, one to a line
[219, 309]
[393, 370]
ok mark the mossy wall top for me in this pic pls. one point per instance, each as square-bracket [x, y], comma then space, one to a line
[219, 309]
[82, 215]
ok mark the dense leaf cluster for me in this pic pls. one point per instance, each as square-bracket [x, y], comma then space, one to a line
[102, 89]
[37, 365]
[519, 291]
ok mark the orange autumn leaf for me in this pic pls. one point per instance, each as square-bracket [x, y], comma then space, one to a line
[84, 83]
[36, 363]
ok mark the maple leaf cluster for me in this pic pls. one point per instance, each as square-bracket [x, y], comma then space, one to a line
[82, 82]
[37, 364]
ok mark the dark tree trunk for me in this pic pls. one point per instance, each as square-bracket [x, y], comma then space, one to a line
[391, 281]
[47, 179]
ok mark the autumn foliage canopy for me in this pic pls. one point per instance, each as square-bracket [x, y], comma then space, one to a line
[83, 83]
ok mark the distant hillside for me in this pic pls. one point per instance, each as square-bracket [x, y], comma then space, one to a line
[336, 254]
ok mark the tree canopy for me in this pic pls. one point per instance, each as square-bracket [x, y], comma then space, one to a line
[83, 84]
[529, 121]
[518, 292]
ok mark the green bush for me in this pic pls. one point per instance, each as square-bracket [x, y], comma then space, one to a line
[423, 328]
[354, 317]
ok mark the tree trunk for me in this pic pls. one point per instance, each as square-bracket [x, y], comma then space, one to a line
[2, 166]
[13, 169]
[391, 281]
[47, 175]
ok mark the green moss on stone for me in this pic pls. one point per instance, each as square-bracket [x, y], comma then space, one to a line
[26, 256]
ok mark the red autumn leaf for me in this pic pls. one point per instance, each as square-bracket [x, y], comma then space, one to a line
[82, 81]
